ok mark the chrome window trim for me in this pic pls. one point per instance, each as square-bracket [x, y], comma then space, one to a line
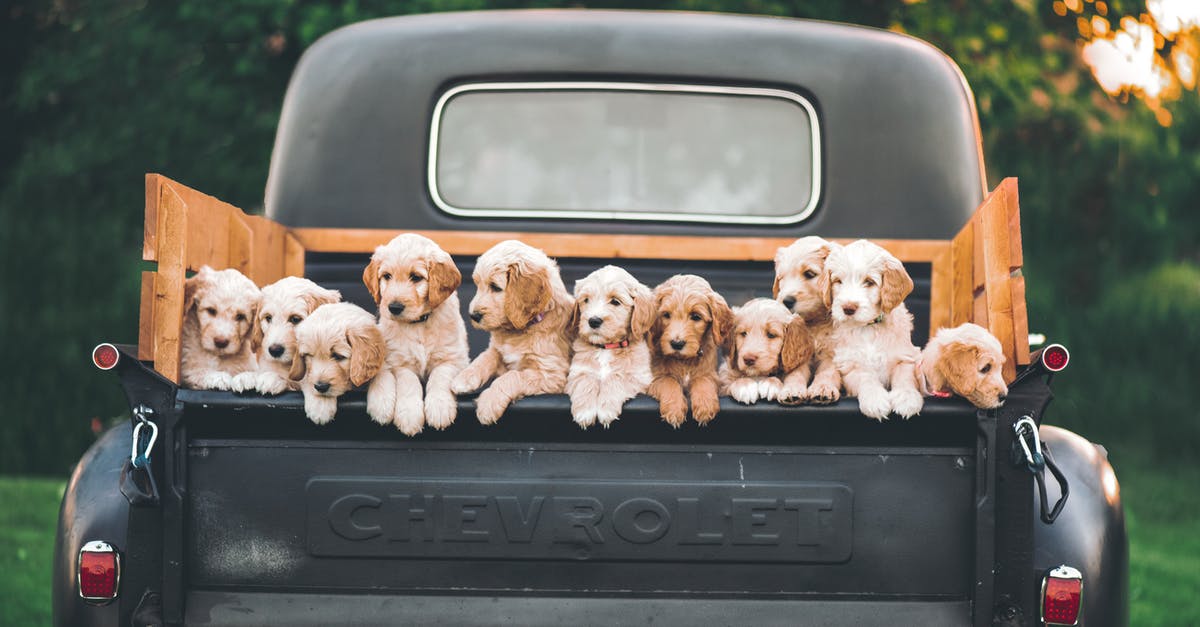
[585, 214]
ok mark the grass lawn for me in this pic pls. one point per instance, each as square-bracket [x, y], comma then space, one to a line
[1162, 513]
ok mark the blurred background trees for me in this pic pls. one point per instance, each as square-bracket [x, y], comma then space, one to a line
[94, 94]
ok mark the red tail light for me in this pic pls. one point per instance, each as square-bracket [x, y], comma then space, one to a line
[1055, 357]
[1062, 596]
[99, 572]
[105, 356]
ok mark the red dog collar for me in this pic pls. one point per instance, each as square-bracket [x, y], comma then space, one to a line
[612, 345]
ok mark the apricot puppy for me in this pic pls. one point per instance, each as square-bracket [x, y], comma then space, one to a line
[219, 309]
[692, 321]
[967, 361]
[285, 304]
[798, 270]
[770, 353]
[338, 348]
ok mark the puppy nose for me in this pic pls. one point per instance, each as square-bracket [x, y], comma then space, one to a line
[595, 322]
[396, 308]
[849, 310]
[276, 350]
[1002, 398]
[789, 302]
[476, 316]
[749, 360]
[321, 386]
[678, 344]
[220, 342]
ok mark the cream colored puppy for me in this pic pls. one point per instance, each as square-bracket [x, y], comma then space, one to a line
[865, 286]
[285, 304]
[219, 308]
[520, 299]
[611, 364]
[338, 348]
[770, 352]
[798, 270]
[967, 361]
[414, 282]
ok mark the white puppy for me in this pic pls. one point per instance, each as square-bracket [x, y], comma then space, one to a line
[611, 363]
[285, 304]
[219, 307]
[864, 287]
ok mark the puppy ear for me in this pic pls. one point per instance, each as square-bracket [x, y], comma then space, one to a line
[193, 286]
[256, 335]
[895, 285]
[321, 296]
[797, 345]
[573, 320]
[444, 279]
[722, 319]
[956, 364]
[644, 313]
[775, 287]
[527, 295]
[825, 286]
[371, 278]
[298, 370]
[656, 327]
[366, 352]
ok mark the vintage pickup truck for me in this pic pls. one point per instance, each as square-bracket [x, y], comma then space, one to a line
[665, 142]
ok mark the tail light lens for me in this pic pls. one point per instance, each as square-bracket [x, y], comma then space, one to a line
[1062, 596]
[1055, 357]
[99, 572]
[105, 356]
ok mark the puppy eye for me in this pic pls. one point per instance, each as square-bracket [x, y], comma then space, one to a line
[267, 318]
[415, 278]
[586, 300]
[869, 283]
[295, 319]
[810, 275]
[212, 311]
[666, 315]
[771, 336]
[338, 357]
[386, 276]
[985, 369]
[696, 317]
[493, 287]
[615, 303]
[743, 334]
[241, 317]
[837, 281]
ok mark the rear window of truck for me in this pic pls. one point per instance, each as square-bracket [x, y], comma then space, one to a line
[625, 151]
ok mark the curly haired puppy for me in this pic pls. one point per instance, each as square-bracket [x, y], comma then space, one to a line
[414, 282]
[865, 286]
[285, 303]
[338, 347]
[521, 301]
[798, 270]
[691, 322]
[219, 308]
[770, 352]
[965, 360]
[611, 362]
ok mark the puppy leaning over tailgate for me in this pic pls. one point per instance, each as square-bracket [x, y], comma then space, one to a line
[285, 303]
[865, 286]
[414, 282]
[965, 360]
[769, 352]
[798, 270]
[520, 300]
[338, 348]
[691, 322]
[219, 307]
[612, 314]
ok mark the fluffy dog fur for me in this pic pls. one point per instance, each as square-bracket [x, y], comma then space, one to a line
[691, 322]
[865, 286]
[521, 301]
[285, 304]
[219, 310]
[414, 282]
[611, 362]
[338, 348]
[965, 360]
[798, 270]
[770, 353]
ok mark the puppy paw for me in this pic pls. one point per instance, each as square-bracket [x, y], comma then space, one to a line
[410, 416]
[271, 383]
[875, 404]
[792, 394]
[584, 417]
[440, 410]
[705, 409]
[673, 411]
[466, 383]
[244, 382]
[744, 390]
[490, 406]
[216, 381]
[606, 417]
[380, 405]
[822, 393]
[320, 410]
[906, 402]
[768, 389]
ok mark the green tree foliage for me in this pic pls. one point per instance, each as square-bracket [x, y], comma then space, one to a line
[92, 95]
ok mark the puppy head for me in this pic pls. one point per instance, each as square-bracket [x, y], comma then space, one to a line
[689, 315]
[863, 282]
[225, 304]
[515, 283]
[338, 347]
[768, 339]
[611, 306]
[969, 361]
[409, 277]
[285, 304]
[798, 270]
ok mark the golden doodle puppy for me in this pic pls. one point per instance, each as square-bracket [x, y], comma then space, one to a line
[798, 270]
[769, 353]
[219, 310]
[414, 283]
[865, 287]
[966, 360]
[285, 304]
[338, 348]
[691, 322]
[611, 362]
[521, 301]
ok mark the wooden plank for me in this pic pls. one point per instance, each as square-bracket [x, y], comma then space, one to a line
[962, 290]
[146, 319]
[1020, 320]
[293, 256]
[172, 244]
[994, 231]
[940, 292]
[240, 251]
[597, 245]
[150, 225]
[1012, 206]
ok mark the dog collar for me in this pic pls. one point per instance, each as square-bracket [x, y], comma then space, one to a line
[877, 319]
[923, 384]
[612, 345]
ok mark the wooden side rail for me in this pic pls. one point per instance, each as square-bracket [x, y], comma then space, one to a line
[976, 277]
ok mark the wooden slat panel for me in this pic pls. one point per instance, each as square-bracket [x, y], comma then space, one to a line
[997, 266]
[150, 225]
[596, 245]
[241, 243]
[293, 256]
[962, 291]
[940, 292]
[146, 319]
[266, 263]
[1020, 320]
[172, 244]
